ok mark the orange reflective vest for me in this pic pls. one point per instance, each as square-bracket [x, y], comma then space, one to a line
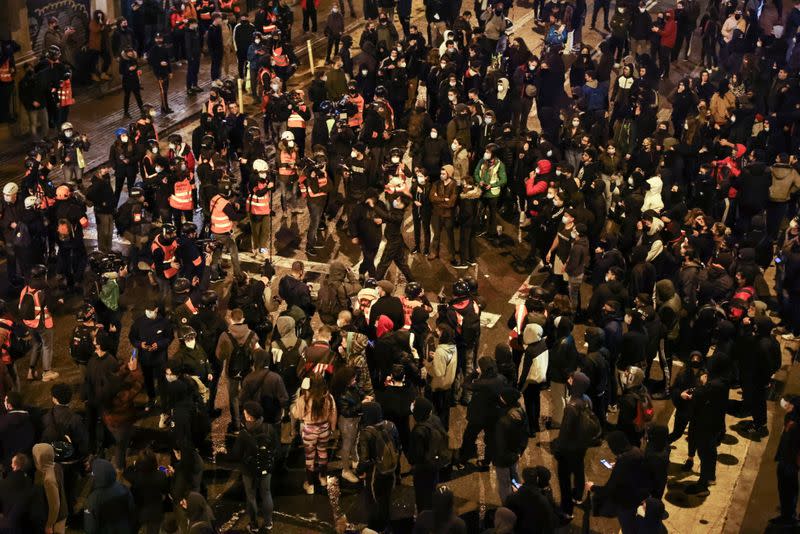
[42, 312]
[65, 98]
[169, 255]
[181, 197]
[229, 5]
[296, 120]
[43, 201]
[286, 166]
[220, 222]
[358, 117]
[322, 182]
[258, 202]
[6, 76]
[279, 59]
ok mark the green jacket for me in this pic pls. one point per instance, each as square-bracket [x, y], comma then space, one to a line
[492, 178]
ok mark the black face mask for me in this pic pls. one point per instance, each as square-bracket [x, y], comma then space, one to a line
[696, 364]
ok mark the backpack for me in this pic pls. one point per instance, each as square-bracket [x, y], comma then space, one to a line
[27, 306]
[386, 454]
[81, 346]
[591, 432]
[327, 302]
[260, 462]
[62, 446]
[438, 453]
[270, 405]
[644, 411]
[285, 361]
[241, 358]
[18, 343]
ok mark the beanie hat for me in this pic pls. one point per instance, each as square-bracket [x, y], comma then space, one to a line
[422, 409]
[387, 287]
[449, 170]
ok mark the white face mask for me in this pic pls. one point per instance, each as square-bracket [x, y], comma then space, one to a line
[353, 154]
[487, 156]
[434, 135]
[640, 511]
[262, 175]
[397, 204]
[420, 179]
[454, 147]
[154, 150]
[171, 378]
[290, 144]
[500, 88]
[172, 146]
[784, 404]
[395, 159]
[565, 219]
[576, 123]
[67, 133]
[451, 98]
[550, 196]
[123, 138]
[151, 314]
[364, 72]
[159, 169]
[258, 41]
[190, 343]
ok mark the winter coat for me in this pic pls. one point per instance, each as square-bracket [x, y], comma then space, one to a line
[785, 182]
[16, 434]
[511, 430]
[110, 508]
[442, 367]
[120, 411]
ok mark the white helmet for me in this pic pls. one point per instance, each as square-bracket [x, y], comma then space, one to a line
[10, 189]
[287, 136]
[66, 126]
[260, 165]
[30, 202]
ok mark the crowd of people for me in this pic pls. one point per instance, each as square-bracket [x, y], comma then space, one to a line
[674, 210]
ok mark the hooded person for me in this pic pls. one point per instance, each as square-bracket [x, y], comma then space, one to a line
[650, 516]
[669, 307]
[335, 292]
[652, 196]
[511, 440]
[441, 367]
[532, 372]
[425, 473]
[627, 486]
[499, 101]
[50, 478]
[504, 522]
[110, 506]
[595, 365]
[634, 395]
[562, 362]
[200, 518]
[572, 441]
[286, 350]
[530, 504]
[482, 411]
[379, 479]
[504, 358]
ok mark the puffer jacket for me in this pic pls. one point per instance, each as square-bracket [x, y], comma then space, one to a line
[442, 367]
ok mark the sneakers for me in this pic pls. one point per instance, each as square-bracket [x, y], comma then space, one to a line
[309, 488]
[252, 529]
[32, 374]
[323, 481]
[47, 376]
[700, 488]
[349, 476]
[789, 337]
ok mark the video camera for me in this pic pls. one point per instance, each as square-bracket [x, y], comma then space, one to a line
[208, 245]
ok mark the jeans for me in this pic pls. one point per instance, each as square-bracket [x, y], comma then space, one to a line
[504, 477]
[234, 385]
[558, 400]
[105, 231]
[286, 193]
[37, 118]
[571, 477]
[315, 210]
[252, 487]
[72, 173]
[192, 70]
[229, 243]
[42, 349]
[122, 436]
[575, 283]
[441, 225]
[348, 432]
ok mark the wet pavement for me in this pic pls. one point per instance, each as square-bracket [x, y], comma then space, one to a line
[745, 468]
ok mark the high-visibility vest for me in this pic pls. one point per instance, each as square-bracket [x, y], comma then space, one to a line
[5, 356]
[279, 59]
[41, 310]
[358, 117]
[169, 255]
[43, 201]
[229, 5]
[258, 202]
[220, 222]
[181, 197]
[6, 76]
[295, 120]
[65, 94]
[286, 164]
[322, 181]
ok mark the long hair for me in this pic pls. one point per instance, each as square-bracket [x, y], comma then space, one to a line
[318, 398]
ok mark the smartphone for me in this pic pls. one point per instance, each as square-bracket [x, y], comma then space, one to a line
[134, 354]
[163, 469]
[607, 464]
[515, 484]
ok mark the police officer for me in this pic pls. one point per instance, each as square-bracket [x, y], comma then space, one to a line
[150, 335]
[223, 214]
[183, 306]
[317, 187]
[191, 257]
[133, 225]
[259, 209]
[158, 57]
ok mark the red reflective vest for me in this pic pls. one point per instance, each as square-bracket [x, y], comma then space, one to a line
[220, 222]
[65, 98]
[357, 119]
[6, 76]
[181, 197]
[296, 120]
[42, 312]
[286, 164]
[169, 255]
[279, 59]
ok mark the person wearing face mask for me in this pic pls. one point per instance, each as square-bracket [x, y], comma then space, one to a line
[192, 357]
[490, 175]
[122, 158]
[334, 28]
[129, 71]
[216, 46]
[151, 335]
[71, 149]
[421, 211]
[395, 250]
[435, 153]
[101, 196]
[98, 46]
[243, 34]
[444, 196]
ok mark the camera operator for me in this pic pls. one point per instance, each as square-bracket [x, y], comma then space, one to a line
[224, 214]
[190, 254]
[133, 225]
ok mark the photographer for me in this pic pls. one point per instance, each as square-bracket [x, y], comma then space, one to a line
[191, 255]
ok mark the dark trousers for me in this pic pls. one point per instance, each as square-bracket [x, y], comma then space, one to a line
[466, 242]
[378, 497]
[315, 209]
[368, 263]
[253, 488]
[124, 174]
[395, 251]
[241, 65]
[310, 17]
[598, 5]
[152, 378]
[571, 478]
[333, 46]
[532, 396]
[787, 489]
[422, 228]
[776, 211]
[441, 404]
[707, 452]
[163, 88]
[192, 70]
[6, 90]
[425, 481]
[679, 427]
[178, 44]
[126, 99]
[443, 225]
[469, 448]
[664, 58]
[216, 66]
[491, 217]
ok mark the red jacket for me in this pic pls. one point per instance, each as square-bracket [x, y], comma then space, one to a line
[670, 30]
[303, 4]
